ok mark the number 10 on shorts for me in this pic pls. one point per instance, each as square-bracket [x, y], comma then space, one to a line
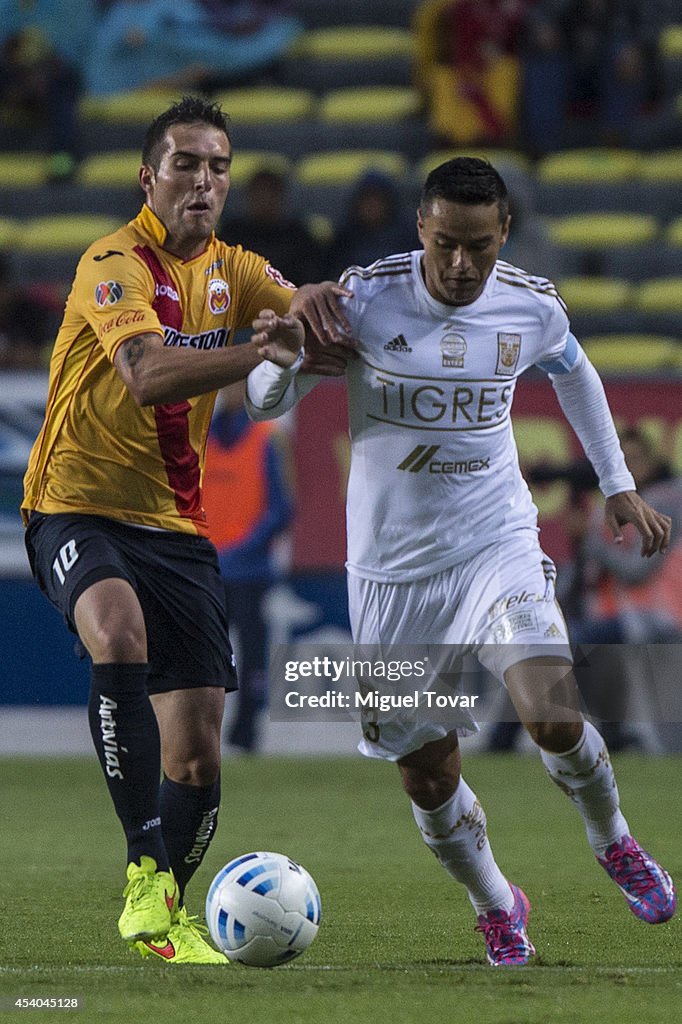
[67, 556]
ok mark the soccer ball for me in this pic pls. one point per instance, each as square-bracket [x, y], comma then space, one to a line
[263, 909]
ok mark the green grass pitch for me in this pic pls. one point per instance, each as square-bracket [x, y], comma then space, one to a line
[396, 944]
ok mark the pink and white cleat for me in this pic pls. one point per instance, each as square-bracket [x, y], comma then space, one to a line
[647, 886]
[507, 944]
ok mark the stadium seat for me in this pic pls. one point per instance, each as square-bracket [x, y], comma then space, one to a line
[65, 232]
[660, 295]
[596, 294]
[350, 55]
[247, 161]
[673, 233]
[633, 353]
[357, 43]
[9, 230]
[138, 107]
[263, 104]
[346, 166]
[369, 105]
[662, 166]
[589, 165]
[602, 230]
[324, 182]
[113, 170]
[22, 170]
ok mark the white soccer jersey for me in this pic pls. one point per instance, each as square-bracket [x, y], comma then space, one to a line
[434, 472]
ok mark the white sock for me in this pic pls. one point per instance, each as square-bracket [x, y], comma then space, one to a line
[456, 832]
[586, 776]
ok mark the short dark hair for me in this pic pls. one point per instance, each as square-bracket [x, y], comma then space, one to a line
[188, 110]
[468, 180]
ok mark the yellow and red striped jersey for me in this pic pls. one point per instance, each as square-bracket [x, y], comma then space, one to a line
[98, 452]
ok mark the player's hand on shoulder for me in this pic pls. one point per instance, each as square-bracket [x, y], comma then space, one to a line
[318, 305]
[278, 339]
[630, 507]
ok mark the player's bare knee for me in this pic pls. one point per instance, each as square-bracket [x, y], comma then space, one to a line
[199, 770]
[115, 642]
[555, 737]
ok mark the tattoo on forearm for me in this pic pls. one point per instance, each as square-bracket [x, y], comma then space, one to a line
[134, 350]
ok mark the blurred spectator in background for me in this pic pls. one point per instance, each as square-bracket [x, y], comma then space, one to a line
[376, 222]
[268, 227]
[591, 61]
[469, 69]
[529, 245]
[248, 505]
[610, 594]
[25, 326]
[630, 599]
[42, 43]
[193, 44]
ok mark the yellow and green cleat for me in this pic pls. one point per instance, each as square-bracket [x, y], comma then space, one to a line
[184, 943]
[151, 901]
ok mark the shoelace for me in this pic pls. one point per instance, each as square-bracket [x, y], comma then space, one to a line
[137, 887]
[631, 868]
[192, 923]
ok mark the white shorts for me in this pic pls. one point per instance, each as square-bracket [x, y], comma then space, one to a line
[499, 605]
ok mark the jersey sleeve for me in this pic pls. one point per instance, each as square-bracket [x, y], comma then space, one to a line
[555, 338]
[115, 297]
[261, 287]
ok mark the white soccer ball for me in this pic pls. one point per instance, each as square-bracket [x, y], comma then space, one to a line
[263, 909]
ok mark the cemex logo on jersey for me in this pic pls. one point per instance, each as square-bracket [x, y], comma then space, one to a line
[397, 344]
[423, 455]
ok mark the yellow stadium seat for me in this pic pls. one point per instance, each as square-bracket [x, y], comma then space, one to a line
[22, 170]
[596, 294]
[139, 107]
[670, 42]
[354, 42]
[116, 170]
[9, 232]
[346, 166]
[589, 165]
[662, 166]
[499, 158]
[660, 295]
[376, 104]
[64, 232]
[247, 162]
[673, 233]
[633, 353]
[261, 104]
[602, 230]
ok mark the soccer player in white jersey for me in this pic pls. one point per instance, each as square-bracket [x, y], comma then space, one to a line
[442, 530]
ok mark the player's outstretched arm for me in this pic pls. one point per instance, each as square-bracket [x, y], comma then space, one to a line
[156, 374]
[318, 305]
[653, 527]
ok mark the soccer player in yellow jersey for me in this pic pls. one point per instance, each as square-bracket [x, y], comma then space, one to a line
[116, 533]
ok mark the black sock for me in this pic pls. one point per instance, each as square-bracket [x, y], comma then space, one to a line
[190, 816]
[126, 737]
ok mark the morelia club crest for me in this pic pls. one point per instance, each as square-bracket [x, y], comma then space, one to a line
[108, 292]
[453, 349]
[508, 351]
[218, 296]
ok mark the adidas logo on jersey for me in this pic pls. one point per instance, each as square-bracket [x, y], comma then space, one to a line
[397, 344]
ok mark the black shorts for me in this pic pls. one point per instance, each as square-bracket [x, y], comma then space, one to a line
[176, 579]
